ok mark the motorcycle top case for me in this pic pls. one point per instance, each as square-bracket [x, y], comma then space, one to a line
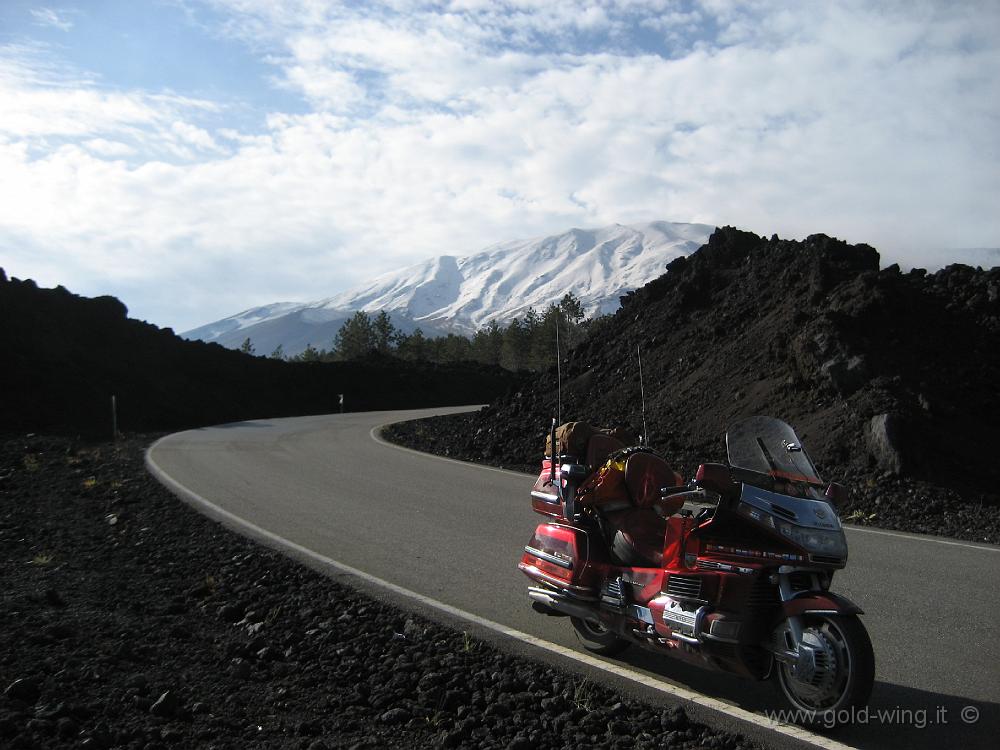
[544, 495]
[559, 556]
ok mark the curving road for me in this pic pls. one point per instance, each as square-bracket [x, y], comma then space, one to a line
[453, 533]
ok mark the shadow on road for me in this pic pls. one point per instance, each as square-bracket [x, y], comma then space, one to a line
[896, 716]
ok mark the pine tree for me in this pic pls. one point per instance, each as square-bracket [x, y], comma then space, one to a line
[384, 332]
[309, 354]
[543, 342]
[279, 352]
[487, 344]
[452, 348]
[247, 346]
[412, 347]
[572, 308]
[516, 343]
[356, 337]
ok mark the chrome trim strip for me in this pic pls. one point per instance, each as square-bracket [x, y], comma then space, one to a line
[545, 497]
[699, 619]
[685, 638]
[549, 558]
[531, 571]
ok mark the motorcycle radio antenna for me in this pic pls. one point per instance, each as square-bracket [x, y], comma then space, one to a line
[558, 418]
[642, 396]
[558, 374]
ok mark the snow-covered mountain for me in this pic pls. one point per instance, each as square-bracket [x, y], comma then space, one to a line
[499, 283]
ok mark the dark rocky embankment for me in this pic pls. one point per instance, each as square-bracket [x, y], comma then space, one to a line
[65, 356]
[889, 378]
[130, 621]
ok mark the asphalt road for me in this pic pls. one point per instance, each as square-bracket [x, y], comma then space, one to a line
[454, 532]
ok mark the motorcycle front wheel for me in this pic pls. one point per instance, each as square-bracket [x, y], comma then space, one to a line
[596, 638]
[843, 674]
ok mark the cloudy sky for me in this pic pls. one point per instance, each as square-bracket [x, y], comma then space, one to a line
[198, 157]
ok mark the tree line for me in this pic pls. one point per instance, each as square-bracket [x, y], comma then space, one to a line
[526, 343]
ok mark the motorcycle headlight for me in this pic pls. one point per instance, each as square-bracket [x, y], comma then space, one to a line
[817, 541]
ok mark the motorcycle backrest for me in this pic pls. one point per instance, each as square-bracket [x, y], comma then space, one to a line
[645, 475]
[599, 447]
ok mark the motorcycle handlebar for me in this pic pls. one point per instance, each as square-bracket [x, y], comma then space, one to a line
[668, 491]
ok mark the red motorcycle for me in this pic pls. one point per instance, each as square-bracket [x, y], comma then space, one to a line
[731, 571]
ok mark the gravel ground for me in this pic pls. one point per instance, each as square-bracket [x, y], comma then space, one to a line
[129, 620]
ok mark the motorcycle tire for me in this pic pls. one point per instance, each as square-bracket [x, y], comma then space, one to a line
[843, 681]
[598, 639]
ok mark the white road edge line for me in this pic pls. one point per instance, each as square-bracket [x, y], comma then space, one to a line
[850, 527]
[196, 500]
[919, 538]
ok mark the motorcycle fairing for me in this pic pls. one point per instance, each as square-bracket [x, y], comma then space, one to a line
[678, 543]
[813, 514]
[768, 446]
[644, 583]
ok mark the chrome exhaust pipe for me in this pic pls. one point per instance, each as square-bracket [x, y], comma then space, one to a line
[555, 601]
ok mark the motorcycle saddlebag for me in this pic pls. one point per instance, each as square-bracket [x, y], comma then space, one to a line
[558, 556]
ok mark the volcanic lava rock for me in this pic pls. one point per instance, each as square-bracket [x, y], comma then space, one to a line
[24, 689]
[65, 356]
[166, 705]
[889, 378]
[359, 672]
[884, 442]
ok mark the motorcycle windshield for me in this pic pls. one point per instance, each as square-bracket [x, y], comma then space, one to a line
[769, 446]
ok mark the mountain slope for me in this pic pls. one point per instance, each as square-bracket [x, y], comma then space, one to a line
[293, 326]
[499, 283]
[889, 378]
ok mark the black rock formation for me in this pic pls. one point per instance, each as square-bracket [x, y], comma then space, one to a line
[65, 356]
[153, 643]
[889, 378]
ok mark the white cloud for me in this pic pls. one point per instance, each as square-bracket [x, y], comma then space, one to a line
[193, 136]
[333, 90]
[104, 147]
[49, 17]
[43, 102]
[441, 128]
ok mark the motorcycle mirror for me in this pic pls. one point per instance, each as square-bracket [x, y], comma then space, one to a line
[717, 478]
[836, 494]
